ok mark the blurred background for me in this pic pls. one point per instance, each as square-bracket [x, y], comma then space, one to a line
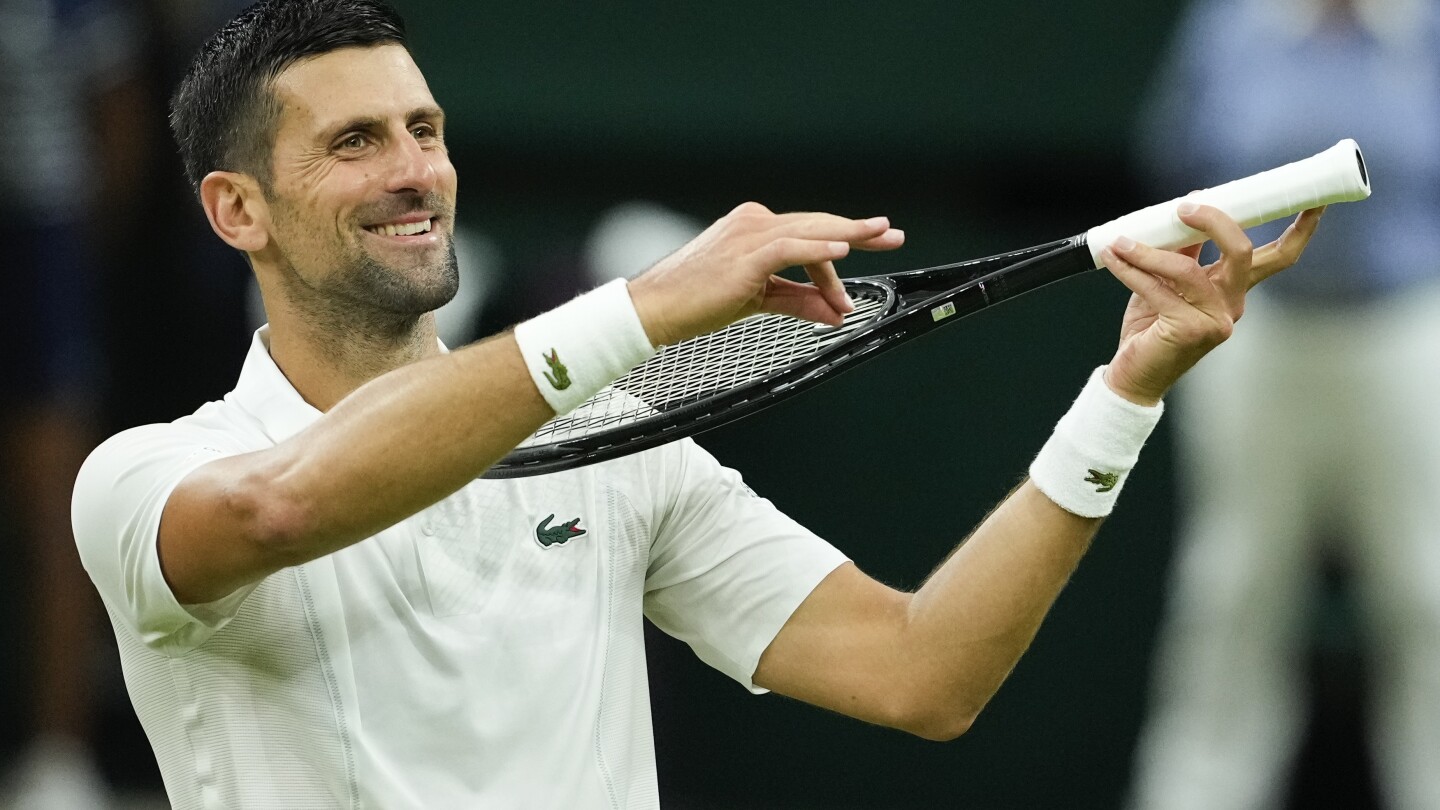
[591, 139]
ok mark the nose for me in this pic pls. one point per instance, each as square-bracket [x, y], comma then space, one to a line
[412, 168]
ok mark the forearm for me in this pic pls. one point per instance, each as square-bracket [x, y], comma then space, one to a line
[976, 615]
[928, 662]
[394, 446]
[407, 440]
[979, 612]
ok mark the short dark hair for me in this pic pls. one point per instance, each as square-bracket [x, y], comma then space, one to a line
[225, 114]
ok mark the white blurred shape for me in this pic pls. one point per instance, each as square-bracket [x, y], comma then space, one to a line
[632, 236]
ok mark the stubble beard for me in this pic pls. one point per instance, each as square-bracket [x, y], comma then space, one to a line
[373, 298]
[364, 300]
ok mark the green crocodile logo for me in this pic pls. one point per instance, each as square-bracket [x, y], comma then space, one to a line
[561, 378]
[1105, 481]
[547, 535]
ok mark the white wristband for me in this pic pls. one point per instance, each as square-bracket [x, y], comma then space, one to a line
[1088, 457]
[578, 348]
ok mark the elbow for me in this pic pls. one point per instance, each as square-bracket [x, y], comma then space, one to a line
[938, 726]
[935, 717]
[277, 524]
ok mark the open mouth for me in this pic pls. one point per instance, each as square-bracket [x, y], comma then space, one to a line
[406, 229]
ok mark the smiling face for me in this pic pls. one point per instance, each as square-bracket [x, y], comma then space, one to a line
[362, 201]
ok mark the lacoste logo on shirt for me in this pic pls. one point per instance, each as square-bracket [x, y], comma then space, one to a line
[561, 378]
[1105, 481]
[547, 535]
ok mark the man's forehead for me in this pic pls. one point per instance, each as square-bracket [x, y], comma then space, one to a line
[379, 81]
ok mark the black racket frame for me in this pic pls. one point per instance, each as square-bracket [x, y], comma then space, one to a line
[917, 302]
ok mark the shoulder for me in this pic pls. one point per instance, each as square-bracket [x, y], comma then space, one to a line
[214, 429]
[118, 502]
[132, 472]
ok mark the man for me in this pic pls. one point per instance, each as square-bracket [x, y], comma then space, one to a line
[318, 603]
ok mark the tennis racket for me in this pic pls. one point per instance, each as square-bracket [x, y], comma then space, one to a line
[714, 379]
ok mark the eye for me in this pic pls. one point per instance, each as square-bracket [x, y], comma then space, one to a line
[423, 132]
[353, 141]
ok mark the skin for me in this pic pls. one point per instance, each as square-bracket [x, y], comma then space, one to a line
[404, 426]
[928, 662]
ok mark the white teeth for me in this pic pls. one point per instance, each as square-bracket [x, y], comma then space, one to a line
[403, 230]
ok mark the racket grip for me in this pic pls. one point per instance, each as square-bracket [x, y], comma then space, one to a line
[1336, 175]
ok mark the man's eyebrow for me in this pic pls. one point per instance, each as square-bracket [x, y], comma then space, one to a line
[371, 123]
[367, 124]
[432, 113]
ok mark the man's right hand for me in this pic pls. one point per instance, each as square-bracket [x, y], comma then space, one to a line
[728, 272]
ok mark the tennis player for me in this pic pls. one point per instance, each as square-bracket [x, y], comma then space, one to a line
[319, 605]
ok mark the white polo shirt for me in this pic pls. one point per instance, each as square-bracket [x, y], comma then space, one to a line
[486, 652]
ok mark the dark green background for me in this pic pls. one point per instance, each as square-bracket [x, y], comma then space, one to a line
[977, 128]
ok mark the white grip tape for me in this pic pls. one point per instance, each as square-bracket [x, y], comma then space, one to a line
[1336, 175]
[582, 346]
[1084, 464]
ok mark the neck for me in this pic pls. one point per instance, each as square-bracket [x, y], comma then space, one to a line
[327, 355]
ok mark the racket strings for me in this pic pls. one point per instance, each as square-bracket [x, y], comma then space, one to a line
[690, 371]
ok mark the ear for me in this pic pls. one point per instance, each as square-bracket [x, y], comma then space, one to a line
[236, 209]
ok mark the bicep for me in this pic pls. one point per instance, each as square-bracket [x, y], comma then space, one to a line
[843, 648]
[219, 527]
[122, 496]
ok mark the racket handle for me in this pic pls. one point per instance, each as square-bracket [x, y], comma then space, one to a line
[1336, 175]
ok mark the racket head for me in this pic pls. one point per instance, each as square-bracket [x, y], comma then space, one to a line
[714, 378]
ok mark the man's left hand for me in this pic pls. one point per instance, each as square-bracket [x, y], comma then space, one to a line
[1180, 309]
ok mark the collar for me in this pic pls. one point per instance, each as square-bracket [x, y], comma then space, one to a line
[265, 393]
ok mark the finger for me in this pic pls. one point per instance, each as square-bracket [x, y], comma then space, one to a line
[1182, 273]
[1285, 251]
[831, 288]
[1152, 289]
[778, 254]
[1225, 232]
[815, 225]
[786, 297]
[1193, 251]
[889, 240]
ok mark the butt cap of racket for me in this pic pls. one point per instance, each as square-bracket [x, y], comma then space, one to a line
[1336, 175]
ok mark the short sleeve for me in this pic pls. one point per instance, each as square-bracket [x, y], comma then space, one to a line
[119, 497]
[727, 569]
